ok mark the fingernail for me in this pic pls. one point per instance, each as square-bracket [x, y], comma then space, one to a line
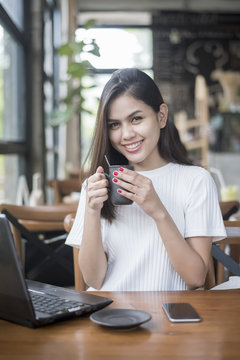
[120, 169]
[119, 191]
[115, 180]
[115, 173]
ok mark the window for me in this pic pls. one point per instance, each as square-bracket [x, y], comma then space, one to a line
[15, 10]
[12, 99]
[51, 83]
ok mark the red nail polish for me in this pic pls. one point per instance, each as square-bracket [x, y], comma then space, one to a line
[115, 173]
[119, 191]
[115, 180]
[120, 169]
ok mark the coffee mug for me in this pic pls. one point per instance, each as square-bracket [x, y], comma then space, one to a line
[115, 197]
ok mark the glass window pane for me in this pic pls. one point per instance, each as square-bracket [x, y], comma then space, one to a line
[48, 97]
[10, 166]
[12, 89]
[121, 18]
[119, 48]
[48, 46]
[14, 9]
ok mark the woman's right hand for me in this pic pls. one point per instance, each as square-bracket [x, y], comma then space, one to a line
[97, 190]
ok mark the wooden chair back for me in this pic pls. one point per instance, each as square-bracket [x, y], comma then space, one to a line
[233, 240]
[78, 278]
[216, 276]
[62, 188]
[228, 208]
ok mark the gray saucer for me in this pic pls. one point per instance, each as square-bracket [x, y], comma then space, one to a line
[120, 318]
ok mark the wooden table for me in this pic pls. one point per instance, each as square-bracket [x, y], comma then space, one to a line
[216, 337]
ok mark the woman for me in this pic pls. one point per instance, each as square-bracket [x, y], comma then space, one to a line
[163, 240]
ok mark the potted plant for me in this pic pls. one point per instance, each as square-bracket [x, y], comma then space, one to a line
[77, 69]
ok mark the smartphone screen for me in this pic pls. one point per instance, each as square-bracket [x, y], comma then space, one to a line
[181, 312]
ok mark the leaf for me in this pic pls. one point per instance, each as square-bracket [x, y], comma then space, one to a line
[95, 50]
[72, 94]
[78, 70]
[71, 48]
[89, 24]
[66, 49]
[87, 87]
[59, 117]
[87, 111]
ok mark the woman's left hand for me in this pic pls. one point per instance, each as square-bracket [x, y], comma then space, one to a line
[139, 189]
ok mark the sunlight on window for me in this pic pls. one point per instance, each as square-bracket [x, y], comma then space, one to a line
[119, 48]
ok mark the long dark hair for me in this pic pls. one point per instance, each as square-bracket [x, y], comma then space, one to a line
[140, 86]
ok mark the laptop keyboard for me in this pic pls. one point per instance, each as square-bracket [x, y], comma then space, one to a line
[54, 305]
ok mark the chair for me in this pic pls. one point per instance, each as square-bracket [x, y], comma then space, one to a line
[231, 261]
[77, 173]
[43, 229]
[194, 132]
[228, 208]
[62, 188]
[215, 273]
[78, 278]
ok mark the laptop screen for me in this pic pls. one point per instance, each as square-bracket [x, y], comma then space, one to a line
[14, 297]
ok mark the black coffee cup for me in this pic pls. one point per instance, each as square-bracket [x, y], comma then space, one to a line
[115, 197]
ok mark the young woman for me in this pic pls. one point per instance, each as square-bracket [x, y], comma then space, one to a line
[162, 241]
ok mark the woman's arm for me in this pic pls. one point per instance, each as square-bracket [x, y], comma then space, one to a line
[189, 257]
[92, 258]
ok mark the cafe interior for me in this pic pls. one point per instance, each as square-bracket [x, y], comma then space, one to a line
[55, 58]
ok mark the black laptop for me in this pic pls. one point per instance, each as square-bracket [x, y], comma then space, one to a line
[32, 303]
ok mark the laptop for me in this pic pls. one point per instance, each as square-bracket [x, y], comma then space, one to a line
[32, 303]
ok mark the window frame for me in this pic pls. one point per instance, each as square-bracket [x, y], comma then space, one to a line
[19, 148]
[15, 147]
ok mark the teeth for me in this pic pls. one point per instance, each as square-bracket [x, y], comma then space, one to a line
[132, 146]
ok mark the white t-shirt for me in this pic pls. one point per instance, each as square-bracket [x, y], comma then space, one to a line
[137, 258]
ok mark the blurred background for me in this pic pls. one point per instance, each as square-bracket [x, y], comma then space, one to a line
[56, 56]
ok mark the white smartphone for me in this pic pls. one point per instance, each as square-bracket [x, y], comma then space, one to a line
[181, 312]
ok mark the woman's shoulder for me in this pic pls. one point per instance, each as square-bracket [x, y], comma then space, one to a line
[193, 177]
[193, 170]
[179, 172]
[188, 170]
[191, 174]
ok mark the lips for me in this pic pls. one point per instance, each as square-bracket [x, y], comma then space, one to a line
[133, 146]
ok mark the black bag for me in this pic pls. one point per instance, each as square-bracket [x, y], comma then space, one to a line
[46, 257]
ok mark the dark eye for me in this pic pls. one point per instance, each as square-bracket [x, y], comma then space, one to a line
[136, 118]
[113, 125]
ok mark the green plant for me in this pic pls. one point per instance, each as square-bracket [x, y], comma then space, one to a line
[78, 68]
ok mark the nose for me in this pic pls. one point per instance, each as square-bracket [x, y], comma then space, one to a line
[128, 131]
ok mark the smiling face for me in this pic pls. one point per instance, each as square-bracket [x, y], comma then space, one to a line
[134, 130]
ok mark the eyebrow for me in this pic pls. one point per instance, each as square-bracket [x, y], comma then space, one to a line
[130, 115]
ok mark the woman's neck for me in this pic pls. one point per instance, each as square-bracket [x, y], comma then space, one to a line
[146, 166]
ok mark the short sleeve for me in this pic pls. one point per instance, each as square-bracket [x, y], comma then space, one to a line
[75, 236]
[203, 216]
